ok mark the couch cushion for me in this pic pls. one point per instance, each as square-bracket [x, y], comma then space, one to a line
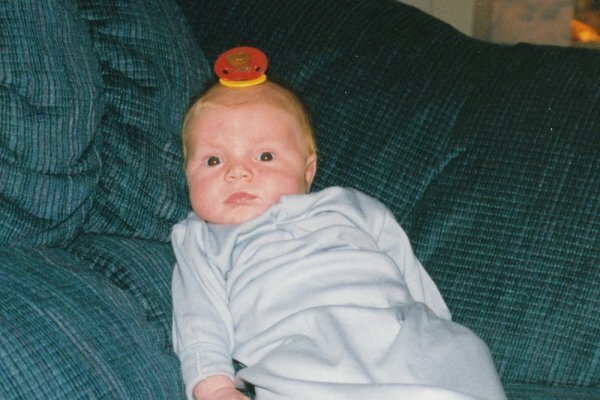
[139, 267]
[510, 228]
[528, 391]
[151, 68]
[381, 111]
[67, 333]
[49, 91]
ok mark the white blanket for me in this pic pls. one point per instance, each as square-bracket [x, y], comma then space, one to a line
[322, 298]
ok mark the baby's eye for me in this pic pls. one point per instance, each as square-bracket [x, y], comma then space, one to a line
[213, 161]
[266, 156]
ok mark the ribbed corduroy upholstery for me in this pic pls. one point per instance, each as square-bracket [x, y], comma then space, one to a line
[151, 68]
[69, 333]
[92, 94]
[511, 227]
[138, 267]
[49, 94]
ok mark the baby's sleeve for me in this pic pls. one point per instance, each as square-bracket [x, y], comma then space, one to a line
[202, 323]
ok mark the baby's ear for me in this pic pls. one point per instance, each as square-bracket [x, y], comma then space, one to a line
[311, 170]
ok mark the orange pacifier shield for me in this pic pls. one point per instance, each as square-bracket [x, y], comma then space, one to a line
[241, 67]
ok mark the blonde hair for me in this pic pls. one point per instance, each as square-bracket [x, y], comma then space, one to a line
[268, 92]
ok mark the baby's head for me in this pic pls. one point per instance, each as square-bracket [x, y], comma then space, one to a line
[244, 148]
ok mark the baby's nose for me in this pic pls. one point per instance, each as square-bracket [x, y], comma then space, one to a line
[238, 171]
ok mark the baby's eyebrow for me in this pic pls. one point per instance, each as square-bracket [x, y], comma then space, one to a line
[211, 146]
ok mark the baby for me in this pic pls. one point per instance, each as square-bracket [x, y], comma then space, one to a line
[319, 295]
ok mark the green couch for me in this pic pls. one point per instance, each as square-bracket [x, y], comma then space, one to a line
[488, 155]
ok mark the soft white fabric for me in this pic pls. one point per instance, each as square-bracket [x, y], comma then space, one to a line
[322, 298]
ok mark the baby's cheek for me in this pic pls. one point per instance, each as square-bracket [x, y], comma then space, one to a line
[197, 196]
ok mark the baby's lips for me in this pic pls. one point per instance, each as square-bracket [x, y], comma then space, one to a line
[240, 198]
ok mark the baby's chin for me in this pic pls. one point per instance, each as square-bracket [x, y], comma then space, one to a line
[237, 216]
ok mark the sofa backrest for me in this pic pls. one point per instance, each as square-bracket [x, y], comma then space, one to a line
[92, 95]
[488, 155]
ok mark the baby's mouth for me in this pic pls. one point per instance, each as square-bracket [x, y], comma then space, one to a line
[239, 198]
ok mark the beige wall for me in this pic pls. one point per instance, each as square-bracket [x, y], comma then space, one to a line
[505, 21]
[532, 21]
[458, 13]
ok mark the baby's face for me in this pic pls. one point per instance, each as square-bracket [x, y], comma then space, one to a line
[242, 159]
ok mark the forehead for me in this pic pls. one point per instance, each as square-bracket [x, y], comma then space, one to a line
[266, 94]
[245, 114]
[244, 122]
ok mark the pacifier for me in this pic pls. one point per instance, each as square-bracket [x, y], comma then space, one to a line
[241, 67]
